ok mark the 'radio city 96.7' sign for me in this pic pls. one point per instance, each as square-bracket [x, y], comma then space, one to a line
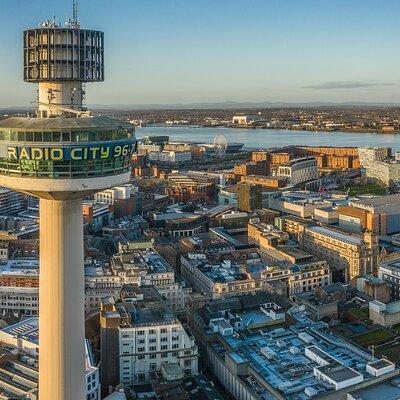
[70, 152]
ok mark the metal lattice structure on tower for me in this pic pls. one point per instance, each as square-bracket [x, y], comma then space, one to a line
[60, 59]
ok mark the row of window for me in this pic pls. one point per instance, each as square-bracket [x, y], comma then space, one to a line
[154, 331]
[57, 137]
[64, 169]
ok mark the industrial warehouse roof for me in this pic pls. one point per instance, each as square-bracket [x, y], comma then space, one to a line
[63, 123]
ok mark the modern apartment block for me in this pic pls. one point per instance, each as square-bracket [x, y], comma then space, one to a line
[377, 165]
[299, 170]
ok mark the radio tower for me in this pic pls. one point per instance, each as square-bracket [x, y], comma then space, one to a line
[62, 155]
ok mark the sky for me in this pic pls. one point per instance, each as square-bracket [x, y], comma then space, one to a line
[191, 51]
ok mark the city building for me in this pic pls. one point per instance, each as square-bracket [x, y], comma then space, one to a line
[96, 215]
[299, 170]
[258, 168]
[178, 224]
[228, 195]
[254, 355]
[13, 229]
[183, 188]
[370, 155]
[153, 342]
[19, 376]
[304, 204]
[377, 165]
[389, 272]
[249, 196]
[170, 156]
[138, 339]
[376, 288]
[19, 281]
[349, 255]
[246, 119]
[270, 182]
[380, 214]
[217, 279]
[11, 202]
[124, 199]
[62, 155]
[385, 314]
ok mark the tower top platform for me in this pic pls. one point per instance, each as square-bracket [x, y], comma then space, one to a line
[63, 123]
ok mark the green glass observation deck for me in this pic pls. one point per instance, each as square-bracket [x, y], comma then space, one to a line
[64, 148]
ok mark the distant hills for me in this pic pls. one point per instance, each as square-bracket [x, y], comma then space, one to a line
[225, 105]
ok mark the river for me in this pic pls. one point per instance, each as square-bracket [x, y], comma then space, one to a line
[264, 138]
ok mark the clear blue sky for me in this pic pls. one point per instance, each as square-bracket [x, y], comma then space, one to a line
[172, 51]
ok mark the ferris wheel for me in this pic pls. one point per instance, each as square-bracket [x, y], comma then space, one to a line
[220, 145]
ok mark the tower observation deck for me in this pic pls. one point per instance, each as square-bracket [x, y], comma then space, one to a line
[61, 155]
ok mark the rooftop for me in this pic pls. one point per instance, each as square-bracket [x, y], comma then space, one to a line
[62, 124]
[386, 390]
[335, 234]
[279, 356]
[27, 329]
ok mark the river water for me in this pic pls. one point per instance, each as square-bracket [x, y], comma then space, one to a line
[264, 138]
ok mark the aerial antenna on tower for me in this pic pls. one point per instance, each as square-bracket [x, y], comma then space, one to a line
[75, 22]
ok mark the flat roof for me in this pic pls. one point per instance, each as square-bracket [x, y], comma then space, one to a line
[339, 372]
[286, 367]
[386, 390]
[382, 363]
[351, 239]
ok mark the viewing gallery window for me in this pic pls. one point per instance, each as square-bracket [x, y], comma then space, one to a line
[65, 136]
[65, 169]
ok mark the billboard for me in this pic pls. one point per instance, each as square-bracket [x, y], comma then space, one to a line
[68, 153]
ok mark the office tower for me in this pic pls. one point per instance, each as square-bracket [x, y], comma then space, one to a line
[62, 154]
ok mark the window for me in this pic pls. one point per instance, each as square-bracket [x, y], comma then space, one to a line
[153, 356]
[140, 333]
[153, 367]
[175, 345]
[152, 340]
[141, 357]
[141, 349]
[152, 348]
[152, 331]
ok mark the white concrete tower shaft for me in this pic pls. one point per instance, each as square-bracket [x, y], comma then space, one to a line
[61, 301]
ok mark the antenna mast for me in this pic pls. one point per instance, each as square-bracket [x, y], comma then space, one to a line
[75, 22]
